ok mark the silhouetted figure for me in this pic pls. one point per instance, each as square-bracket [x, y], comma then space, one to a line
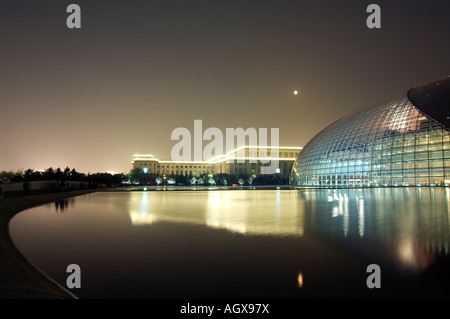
[26, 188]
[61, 186]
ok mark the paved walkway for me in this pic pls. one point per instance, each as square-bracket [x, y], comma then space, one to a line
[18, 278]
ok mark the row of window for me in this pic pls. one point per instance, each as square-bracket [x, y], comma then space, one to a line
[172, 166]
[255, 154]
[384, 174]
[424, 144]
[184, 173]
[387, 182]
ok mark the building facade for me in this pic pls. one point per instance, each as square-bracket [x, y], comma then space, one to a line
[245, 160]
[402, 140]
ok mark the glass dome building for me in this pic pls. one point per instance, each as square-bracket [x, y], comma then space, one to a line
[402, 140]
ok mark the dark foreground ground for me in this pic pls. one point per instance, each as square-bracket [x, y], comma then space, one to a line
[18, 278]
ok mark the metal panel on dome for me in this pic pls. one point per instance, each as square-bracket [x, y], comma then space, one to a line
[433, 98]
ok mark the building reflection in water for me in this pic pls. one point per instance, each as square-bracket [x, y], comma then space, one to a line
[409, 225]
[273, 212]
[412, 224]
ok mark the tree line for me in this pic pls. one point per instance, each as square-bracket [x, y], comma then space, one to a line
[61, 176]
[138, 177]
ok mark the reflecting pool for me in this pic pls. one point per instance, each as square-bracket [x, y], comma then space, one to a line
[304, 243]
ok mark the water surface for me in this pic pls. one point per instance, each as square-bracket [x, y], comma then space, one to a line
[244, 243]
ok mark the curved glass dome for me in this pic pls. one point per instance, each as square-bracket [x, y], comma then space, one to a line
[399, 141]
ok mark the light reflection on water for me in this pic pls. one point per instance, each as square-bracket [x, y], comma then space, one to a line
[413, 223]
[409, 227]
[406, 216]
[276, 213]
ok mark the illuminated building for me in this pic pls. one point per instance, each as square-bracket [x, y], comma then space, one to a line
[402, 140]
[245, 160]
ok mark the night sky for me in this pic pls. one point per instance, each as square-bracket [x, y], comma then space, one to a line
[90, 98]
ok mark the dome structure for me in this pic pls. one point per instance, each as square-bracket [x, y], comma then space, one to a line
[402, 140]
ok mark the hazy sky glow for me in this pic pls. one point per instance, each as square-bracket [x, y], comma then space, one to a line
[136, 70]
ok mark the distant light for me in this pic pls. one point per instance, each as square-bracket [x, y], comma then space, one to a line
[278, 170]
[300, 280]
[145, 170]
[111, 172]
[295, 92]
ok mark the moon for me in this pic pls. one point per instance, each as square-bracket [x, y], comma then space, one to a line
[295, 92]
